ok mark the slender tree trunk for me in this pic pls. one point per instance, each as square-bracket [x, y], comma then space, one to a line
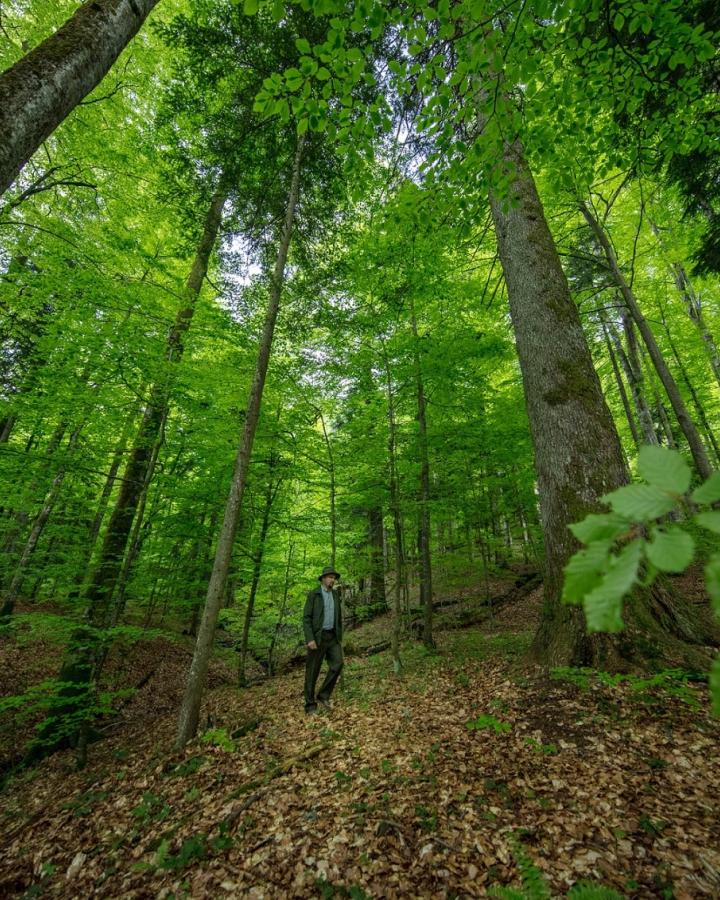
[283, 608]
[376, 589]
[257, 569]
[103, 505]
[190, 709]
[6, 426]
[35, 532]
[397, 523]
[107, 570]
[42, 88]
[634, 374]
[702, 463]
[621, 387]
[331, 475]
[426, 590]
[699, 408]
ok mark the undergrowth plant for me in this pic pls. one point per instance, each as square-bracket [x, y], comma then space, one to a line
[639, 538]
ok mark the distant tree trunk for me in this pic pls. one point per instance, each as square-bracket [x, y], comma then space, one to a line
[400, 579]
[376, 580]
[103, 505]
[38, 92]
[283, 608]
[634, 374]
[426, 590]
[35, 532]
[578, 456]
[702, 463]
[621, 386]
[190, 709]
[699, 408]
[6, 426]
[270, 495]
[107, 570]
[332, 489]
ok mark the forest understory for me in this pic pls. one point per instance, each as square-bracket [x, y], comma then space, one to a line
[444, 783]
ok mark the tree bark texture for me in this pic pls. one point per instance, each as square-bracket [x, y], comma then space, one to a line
[190, 709]
[578, 456]
[42, 88]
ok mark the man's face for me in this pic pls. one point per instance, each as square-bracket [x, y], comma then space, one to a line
[328, 581]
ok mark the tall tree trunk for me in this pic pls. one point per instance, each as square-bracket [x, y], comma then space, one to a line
[6, 426]
[578, 456]
[331, 475]
[104, 577]
[190, 709]
[257, 569]
[42, 88]
[426, 590]
[702, 463]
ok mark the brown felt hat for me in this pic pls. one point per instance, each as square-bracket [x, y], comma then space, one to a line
[328, 570]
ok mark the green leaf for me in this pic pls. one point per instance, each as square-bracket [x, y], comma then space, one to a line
[322, 74]
[708, 492]
[709, 520]
[664, 468]
[594, 527]
[582, 573]
[670, 550]
[303, 45]
[250, 7]
[618, 21]
[302, 126]
[640, 502]
[603, 605]
[712, 581]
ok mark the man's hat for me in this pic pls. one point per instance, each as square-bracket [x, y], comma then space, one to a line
[328, 570]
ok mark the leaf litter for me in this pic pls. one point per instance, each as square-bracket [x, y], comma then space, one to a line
[415, 787]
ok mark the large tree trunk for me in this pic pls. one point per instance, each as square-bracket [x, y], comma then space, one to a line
[578, 456]
[39, 91]
[702, 463]
[190, 709]
[426, 590]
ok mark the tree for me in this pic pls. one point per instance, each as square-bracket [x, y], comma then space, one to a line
[41, 89]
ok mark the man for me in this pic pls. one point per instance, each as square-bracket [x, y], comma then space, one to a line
[322, 625]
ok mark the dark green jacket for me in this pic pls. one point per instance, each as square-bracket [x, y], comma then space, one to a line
[314, 616]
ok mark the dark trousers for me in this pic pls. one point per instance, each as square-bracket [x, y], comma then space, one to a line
[328, 647]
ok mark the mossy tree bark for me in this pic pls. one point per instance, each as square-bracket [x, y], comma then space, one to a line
[42, 88]
[578, 456]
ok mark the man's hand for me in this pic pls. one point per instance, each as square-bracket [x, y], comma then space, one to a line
[312, 645]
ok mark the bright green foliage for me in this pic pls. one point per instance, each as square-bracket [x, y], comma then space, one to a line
[486, 721]
[634, 542]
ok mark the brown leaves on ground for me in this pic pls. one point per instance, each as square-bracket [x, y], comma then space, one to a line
[419, 787]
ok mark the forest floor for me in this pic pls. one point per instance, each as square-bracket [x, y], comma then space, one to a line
[442, 784]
